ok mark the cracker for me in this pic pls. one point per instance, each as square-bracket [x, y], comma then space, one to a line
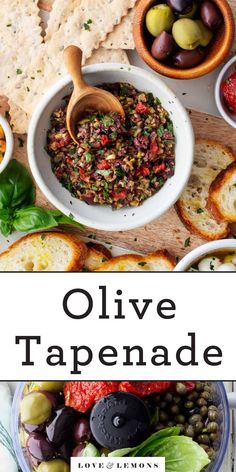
[61, 11]
[122, 36]
[102, 55]
[90, 24]
[20, 36]
[19, 119]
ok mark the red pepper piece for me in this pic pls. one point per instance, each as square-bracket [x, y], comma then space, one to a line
[103, 164]
[159, 168]
[154, 147]
[190, 385]
[141, 108]
[144, 388]
[104, 140]
[228, 88]
[82, 395]
[83, 176]
[119, 195]
[144, 171]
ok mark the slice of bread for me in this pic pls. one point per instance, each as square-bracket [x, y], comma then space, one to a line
[222, 195]
[97, 254]
[156, 262]
[49, 251]
[210, 159]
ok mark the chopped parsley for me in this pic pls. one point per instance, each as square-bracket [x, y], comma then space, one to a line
[142, 263]
[87, 25]
[199, 210]
[160, 131]
[187, 242]
[103, 172]
[21, 142]
[170, 126]
[19, 71]
[43, 237]
[88, 157]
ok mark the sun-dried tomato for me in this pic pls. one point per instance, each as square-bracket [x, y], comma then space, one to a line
[82, 395]
[144, 388]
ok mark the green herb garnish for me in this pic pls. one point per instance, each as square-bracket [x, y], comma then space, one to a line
[87, 25]
[200, 210]
[142, 263]
[187, 242]
[19, 71]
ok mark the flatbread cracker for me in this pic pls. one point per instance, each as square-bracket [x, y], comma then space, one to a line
[20, 37]
[61, 11]
[19, 119]
[122, 36]
[102, 55]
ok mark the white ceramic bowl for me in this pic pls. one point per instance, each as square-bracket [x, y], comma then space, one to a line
[225, 72]
[9, 142]
[202, 251]
[103, 217]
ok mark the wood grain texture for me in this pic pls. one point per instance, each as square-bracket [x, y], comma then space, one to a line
[167, 232]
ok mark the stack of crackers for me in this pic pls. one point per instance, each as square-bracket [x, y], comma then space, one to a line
[32, 59]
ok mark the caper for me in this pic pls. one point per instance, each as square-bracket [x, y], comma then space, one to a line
[203, 411]
[181, 427]
[199, 386]
[204, 446]
[205, 395]
[213, 437]
[211, 453]
[194, 419]
[49, 386]
[180, 388]
[199, 427]
[174, 410]
[56, 465]
[212, 407]
[35, 408]
[168, 397]
[163, 416]
[189, 431]
[201, 402]
[163, 404]
[212, 415]
[192, 396]
[180, 419]
[189, 405]
[212, 427]
[204, 439]
[177, 399]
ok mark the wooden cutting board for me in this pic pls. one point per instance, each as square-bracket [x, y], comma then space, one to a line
[168, 231]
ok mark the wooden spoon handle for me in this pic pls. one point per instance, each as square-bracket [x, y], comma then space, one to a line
[73, 63]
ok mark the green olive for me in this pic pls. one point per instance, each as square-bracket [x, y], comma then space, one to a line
[207, 35]
[56, 465]
[159, 18]
[190, 14]
[35, 408]
[187, 33]
[49, 386]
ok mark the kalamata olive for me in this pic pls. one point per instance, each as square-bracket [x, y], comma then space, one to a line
[65, 451]
[56, 465]
[162, 46]
[185, 60]
[50, 386]
[210, 15]
[189, 14]
[181, 6]
[38, 447]
[78, 451]
[187, 33]
[159, 18]
[35, 408]
[34, 428]
[58, 430]
[82, 431]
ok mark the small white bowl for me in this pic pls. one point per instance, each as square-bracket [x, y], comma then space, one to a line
[202, 251]
[9, 142]
[225, 72]
[103, 217]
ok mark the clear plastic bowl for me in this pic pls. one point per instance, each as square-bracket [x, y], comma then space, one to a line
[221, 400]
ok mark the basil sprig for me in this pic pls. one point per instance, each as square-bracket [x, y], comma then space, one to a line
[17, 204]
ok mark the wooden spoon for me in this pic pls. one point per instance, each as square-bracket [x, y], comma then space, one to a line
[85, 98]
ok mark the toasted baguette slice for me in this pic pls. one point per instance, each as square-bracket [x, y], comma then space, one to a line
[156, 262]
[210, 158]
[47, 252]
[97, 254]
[222, 195]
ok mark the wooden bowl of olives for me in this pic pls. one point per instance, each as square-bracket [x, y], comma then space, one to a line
[183, 39]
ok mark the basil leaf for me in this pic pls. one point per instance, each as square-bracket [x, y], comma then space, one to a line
[5, 222]
[33, 218]
[16, 186]
[182, 454]
[65, 220]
